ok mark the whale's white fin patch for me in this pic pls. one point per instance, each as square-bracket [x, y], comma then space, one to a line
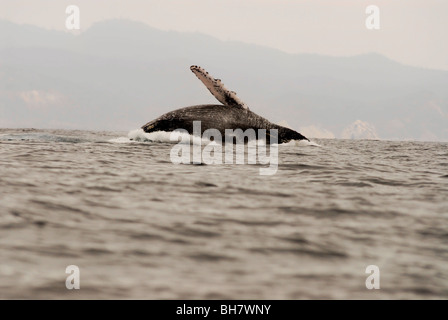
[217, 89]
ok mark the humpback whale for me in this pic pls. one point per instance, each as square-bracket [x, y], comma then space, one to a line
[231, 114]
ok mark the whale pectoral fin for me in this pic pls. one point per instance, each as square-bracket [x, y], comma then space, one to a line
[217, 89]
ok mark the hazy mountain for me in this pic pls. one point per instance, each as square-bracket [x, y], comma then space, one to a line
[120, 74]
[359, 130]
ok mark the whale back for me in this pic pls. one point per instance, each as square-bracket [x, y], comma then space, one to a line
[218, 117]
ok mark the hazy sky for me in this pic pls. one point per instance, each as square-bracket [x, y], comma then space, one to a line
[413, 32]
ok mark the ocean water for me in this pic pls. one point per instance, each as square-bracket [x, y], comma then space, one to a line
[140, 227]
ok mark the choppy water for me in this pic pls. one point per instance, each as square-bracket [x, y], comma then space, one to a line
[141, 227]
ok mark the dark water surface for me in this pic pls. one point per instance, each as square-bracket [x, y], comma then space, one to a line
[141, 227]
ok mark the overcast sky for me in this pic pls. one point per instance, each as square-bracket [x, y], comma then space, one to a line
[412, 32]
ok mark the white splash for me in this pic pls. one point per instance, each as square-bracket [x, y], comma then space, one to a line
[139, 135]
[120, 140]
[142, 136]
[301, 143]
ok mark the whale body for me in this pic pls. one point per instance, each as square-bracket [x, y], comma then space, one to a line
[231, 114]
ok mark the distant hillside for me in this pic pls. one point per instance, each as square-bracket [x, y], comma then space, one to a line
[119, 74]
